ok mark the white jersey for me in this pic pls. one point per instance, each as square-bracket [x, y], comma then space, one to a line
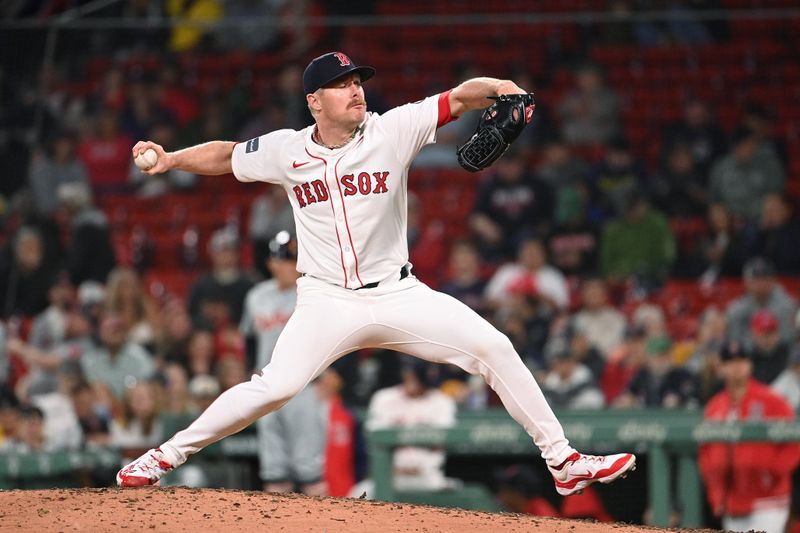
[267, 309]
[349, 203]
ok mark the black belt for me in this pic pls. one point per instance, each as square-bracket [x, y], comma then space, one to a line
[403, 275]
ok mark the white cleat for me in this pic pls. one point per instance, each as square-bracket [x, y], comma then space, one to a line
[146, 470]
[579, 471]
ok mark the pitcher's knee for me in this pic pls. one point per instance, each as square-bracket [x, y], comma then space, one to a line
[279, 390]
[498, 345]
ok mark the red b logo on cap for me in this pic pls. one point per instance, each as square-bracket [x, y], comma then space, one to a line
[343, 59]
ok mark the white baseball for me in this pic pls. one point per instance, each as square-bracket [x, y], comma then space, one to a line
[147, 160]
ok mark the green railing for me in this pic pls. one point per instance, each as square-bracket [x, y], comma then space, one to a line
[660, 434]
[31, 470]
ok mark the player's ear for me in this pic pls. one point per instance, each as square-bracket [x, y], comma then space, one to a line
[313, 102]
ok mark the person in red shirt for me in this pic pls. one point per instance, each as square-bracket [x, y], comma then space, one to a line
[106, 154]
[747, 484]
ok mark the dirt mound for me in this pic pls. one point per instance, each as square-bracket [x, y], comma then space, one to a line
[229, 511]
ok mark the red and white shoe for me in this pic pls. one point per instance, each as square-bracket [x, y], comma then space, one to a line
[579, 471]
[146, 470]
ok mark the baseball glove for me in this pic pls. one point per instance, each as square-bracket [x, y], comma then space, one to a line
[500, 124]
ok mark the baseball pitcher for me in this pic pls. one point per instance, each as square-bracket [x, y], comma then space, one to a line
[346, 178]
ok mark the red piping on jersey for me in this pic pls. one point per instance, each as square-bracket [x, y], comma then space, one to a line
[445, 114]
[346, 223]
[330, 197]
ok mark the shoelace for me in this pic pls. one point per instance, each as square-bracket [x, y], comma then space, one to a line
[592, 458]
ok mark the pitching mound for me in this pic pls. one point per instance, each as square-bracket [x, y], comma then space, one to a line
[229, 511]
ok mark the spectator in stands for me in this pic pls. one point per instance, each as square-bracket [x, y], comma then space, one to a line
[559, 167]
[175, 333]
[53, 167]
[289, 91]
[574, 242]
[598, 321]
[614, 179]
[776, 236]
[638, 247]
[759, 121]
[769, 354]
[763, 292]
[29, 436]
[200, 353]
[426, 247]
[49, 327]
[176, 390]
[787, 384]
[569, 384]
[270, 213]
[413, 404]
[163, 133]
[94, 422]
[106, 153]
[46, 361]
[520, 490]
[720, 251]
[61, 426]
[589, 113]
[548, 283]
[116, 363]
[651, 317]
[24, 275]
[582, 349]
[230, 371]
[525, 318]
[464, 280]
[743, 177]
[680, 188]
[171, 94]
[511, 204]
[699, 131]
[226, 284]
[623, 363]
[126, 297]
[746, 491]
[90, 255]
[703, 362]
[142, 112]
[659, 383]
[213, 122]
[136, 428]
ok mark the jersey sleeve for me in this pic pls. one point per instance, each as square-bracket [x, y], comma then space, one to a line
[414, 125]
[259, 159]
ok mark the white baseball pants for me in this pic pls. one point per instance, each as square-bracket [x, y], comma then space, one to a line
[403, 315]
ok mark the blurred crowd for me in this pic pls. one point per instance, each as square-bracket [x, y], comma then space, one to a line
[562, 250]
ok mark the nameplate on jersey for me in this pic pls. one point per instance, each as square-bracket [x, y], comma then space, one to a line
[251, 146]
[361, 184]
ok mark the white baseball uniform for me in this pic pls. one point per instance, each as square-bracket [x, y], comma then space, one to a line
[350, 212]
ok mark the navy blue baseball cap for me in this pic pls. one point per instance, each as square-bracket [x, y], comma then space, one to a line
[326, 68]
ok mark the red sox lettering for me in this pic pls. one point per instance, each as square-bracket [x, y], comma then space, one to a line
[363, 183]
